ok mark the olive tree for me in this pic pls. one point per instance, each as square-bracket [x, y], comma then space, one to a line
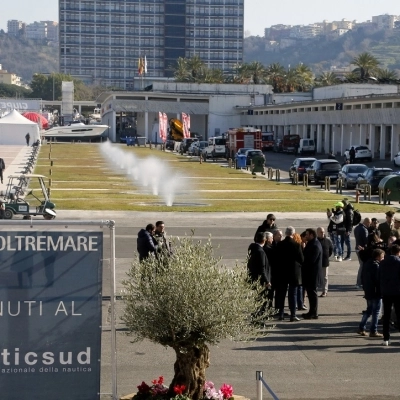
[187, 301]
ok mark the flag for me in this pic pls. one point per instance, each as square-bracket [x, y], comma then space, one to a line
[140, 66]
[165, 120]
[186, 126]
[145, 64]
[161, 125]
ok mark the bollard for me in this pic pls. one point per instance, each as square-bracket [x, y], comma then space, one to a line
[48, 192]
[230, 162]
[305, 180]
[358, 196]
[50, 171]
[49, 182]
[201, 159]
[339, 185]
[328, 183]
[49, 156]
[295, 178]
[278, 175]
[367, 192]
[51, 163]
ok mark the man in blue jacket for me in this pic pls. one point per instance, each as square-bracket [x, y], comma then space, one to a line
[145, 242]
[389, 278]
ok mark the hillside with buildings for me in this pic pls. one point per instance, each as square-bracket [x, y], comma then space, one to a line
[24, 57]
[328, 46]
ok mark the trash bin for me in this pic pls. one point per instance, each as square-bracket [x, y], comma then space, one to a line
[130, 141]
[141, 141]
[258, 164]
[241, 161]
[389, 188]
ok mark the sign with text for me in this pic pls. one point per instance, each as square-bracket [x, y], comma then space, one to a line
[20, 104]
[50, 314]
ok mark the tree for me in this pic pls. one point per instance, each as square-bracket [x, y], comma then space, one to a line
[257, 72]
[387, 76]
[305, 77]
[366, 64]
[181, 72]
[327, 79]
[195, 65]
[275, 76]
[187, 302]
[7, 90]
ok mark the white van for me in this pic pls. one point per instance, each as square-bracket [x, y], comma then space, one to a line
[306, 146]
[216, 147]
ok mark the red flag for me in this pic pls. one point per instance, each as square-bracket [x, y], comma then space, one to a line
[186, 133]
[165, 129]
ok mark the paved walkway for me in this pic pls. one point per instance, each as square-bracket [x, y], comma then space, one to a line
[15, 158]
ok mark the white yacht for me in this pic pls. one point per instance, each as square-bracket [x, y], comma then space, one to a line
[76, 130]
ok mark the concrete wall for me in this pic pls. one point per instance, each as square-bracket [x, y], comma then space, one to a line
[352, 90]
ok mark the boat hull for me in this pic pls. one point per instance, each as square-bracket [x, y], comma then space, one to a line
[77, 132]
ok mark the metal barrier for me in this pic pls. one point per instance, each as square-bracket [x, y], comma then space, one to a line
[367, 192]
[270, 173]
[339, 185]
[260, 383]
[278, 175]
[380, 194]
[328, 183]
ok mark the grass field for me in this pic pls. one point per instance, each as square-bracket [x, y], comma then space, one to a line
[81, 178]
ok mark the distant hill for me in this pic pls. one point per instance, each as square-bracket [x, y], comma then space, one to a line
[25, 57]
[322, 53]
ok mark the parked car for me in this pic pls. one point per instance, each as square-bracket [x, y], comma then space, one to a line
[396, 160]
[242, 151]
[278, 146]
[373, 176]
[199, 148]
[170, 144]
[191, 148]
[320, 169]
[300, 165]
[362, 153]
[350, 173]
[252, 153]
[185, 144]
[306, 146]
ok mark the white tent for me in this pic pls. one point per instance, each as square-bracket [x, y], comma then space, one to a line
[14, 127]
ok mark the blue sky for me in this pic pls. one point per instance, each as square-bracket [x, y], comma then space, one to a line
[258, 13]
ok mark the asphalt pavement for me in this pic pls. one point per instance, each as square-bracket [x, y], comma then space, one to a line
[319, 359]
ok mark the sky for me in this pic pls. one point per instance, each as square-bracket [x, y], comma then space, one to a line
[259, 14]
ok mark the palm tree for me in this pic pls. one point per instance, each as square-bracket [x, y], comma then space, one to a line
[275, 76]
[181, 72]
[241, 74]
[195, 65]
[327, 79]
[387, 76]
[257, 71]
[366, 64]
[305, 77]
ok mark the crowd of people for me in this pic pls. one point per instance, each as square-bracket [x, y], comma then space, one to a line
[292, 265]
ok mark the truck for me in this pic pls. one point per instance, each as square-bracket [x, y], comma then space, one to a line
[267, 139]
[290, 143]
[244, 137]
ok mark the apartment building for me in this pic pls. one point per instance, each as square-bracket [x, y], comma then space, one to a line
[103, 40]
[36, 30]
[14, 27]
[385, 21]
[8, 77]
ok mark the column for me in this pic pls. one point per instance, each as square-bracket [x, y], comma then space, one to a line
[382, 143]
[304, 133]
[372, 139]
[319, 138]
[327, 145]
[395, 142]
[335, 135]
[146, 125]
[360, 133]
[341, 139]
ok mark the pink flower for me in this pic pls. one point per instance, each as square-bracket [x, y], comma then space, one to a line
[227, 391]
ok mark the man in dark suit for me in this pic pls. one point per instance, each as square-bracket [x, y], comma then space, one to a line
[258, 267]
[290, 257]
[312, 271]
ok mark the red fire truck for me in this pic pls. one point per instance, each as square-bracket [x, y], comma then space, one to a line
[291, 143]
[268, 141]
[245, 137]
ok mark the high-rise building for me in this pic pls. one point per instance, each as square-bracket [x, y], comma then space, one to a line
[14, 27]
[102, 41]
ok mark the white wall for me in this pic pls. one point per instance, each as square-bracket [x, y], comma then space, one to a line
[352, 90]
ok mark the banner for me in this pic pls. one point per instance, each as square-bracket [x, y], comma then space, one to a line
[165, 119]
[161, 125]
[186, 125]
[50, 314]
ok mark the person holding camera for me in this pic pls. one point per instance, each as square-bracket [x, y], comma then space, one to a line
[336, 216]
